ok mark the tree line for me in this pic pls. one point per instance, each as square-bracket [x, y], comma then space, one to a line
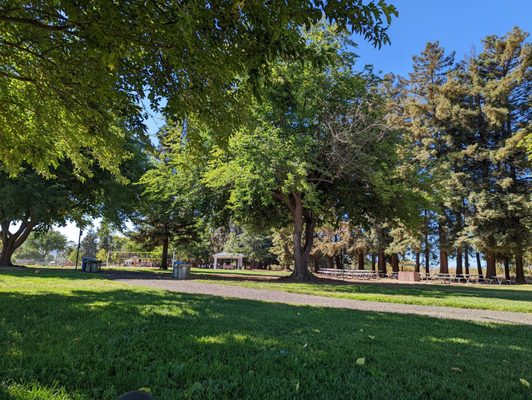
[278, 129]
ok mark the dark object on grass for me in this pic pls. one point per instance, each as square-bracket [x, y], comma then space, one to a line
[135, 395]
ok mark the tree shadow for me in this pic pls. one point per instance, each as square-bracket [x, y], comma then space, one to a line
[426, 290]
[379, 287]
[95, 344]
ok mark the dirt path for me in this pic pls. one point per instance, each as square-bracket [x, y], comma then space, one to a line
[213, 289]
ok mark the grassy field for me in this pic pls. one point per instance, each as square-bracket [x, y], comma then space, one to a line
[67, 335]
[204, 271]
[493, 297]
[516, 298]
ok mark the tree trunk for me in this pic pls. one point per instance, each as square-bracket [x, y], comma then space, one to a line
[519, 270]
[459, 260]
[382, 261]
[395, 262]
[427, 244]
[373, 261]
[6, 253]
[12, 241]
[303, 225]
[418, 261]
[491, 267]
[164, 256]
[360, 259]
[466, 259]
[444, 257]
[316, 260]
[330, 262]
[338, 260]
[506, 262]
[479, 265]
[427, 255]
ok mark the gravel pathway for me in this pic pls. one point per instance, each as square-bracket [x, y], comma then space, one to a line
[276, 296]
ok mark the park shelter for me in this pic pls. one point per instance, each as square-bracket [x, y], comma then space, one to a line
[229, 256]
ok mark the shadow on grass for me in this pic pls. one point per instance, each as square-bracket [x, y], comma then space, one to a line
[95, 344]
[321, 284]
[376, 287]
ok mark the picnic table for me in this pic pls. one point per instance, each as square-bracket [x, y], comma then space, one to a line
[498, 279]
[349, 273]
[444, 278]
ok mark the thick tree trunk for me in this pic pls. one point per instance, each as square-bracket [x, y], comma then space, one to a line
[466, 259]
[360, 259]
[506, 263]
[339, 263]
[491, 266]
[418, 261]
[444, 257]
[373, 261]
[382, 261]
[395, 262]
[330, 262]
[6, 254]
[479, 265]
[519, 270]
[303, 226]
[164, 256]
[12, 241]
[459, 265]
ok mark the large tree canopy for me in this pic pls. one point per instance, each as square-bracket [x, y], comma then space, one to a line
[30, 202]
[69, 70]
[313, 145]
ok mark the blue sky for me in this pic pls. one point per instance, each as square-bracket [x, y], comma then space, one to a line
[457, 25]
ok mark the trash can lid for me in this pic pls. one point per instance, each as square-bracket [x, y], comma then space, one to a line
[176, 263]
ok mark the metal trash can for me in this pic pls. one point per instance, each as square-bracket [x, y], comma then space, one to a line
[90, 264]
[181, 270]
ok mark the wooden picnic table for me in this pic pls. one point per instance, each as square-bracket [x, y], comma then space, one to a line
[349, 273]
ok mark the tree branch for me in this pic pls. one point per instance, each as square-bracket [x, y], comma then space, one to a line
[35, 23]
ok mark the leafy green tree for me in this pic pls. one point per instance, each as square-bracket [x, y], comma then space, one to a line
[427, 144]
[30, 202]
[283, 248]
[495, 90]
[174, 199]
[68, 71]
[255, 246]
[40, 245]
[89, 244]
[311, 146]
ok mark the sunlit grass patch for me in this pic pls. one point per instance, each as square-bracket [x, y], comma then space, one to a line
[69, 336]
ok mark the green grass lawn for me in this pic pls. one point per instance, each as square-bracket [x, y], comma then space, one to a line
[68, 335]
[503, 298]
[516, 298]
[203, 271]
